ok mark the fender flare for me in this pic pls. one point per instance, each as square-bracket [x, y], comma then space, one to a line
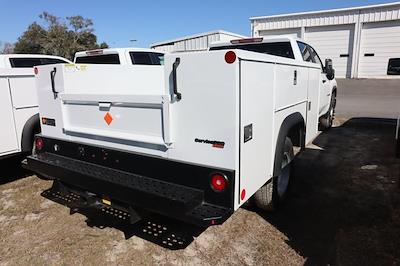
[288, 123]
[334, 90]
[31, 127]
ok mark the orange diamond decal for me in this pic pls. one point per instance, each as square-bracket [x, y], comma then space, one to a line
[108, 118]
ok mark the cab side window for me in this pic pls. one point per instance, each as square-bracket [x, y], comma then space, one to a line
[315, 56]
[305, 52]
[34, 61]
[147, 58]
[25, 62]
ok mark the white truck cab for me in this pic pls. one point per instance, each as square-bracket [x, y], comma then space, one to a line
[120, 56]
[193, 140]
[18, 101]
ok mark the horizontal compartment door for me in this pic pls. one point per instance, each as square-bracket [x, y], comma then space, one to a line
[127, 119]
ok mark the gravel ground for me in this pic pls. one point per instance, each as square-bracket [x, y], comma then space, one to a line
[344, 209]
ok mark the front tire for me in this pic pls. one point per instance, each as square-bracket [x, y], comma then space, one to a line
[274, 192]
[326, 121]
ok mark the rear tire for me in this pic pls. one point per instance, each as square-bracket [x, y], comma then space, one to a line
[274, 192]
[326, 121]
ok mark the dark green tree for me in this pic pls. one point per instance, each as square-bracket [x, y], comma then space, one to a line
[57, 36]
[31, 41]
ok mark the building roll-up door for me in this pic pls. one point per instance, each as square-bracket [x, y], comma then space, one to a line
[295, 32]
[380, 43]
[336, 43]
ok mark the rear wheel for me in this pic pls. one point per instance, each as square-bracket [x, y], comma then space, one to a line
[273, 193]
[326, 121]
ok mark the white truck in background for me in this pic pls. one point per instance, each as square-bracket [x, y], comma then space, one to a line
[193, 139]
[120, 56]
[18, 101]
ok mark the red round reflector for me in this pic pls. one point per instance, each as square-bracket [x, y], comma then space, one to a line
[230, 57]
[243, 194]
[218, 182]
[36, 70]
[39, 144]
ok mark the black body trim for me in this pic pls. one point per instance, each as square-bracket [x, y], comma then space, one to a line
[289, 122]
[31, 127]
[178, 190]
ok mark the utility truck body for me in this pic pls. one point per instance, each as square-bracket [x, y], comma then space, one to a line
[193, 139]
[18, 101]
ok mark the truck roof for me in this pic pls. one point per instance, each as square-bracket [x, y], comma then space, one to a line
[116, 51]
[4, 63]
[277, 38]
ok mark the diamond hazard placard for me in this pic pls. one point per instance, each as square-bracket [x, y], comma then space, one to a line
[108, 118]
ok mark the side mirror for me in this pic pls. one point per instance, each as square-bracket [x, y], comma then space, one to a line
[330, 72]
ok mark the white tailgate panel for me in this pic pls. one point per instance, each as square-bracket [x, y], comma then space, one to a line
[132, 95]
[257, 108]
[23, 91]
[8, 138]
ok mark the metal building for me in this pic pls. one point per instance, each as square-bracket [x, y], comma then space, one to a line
[363, 42]
[197, 42]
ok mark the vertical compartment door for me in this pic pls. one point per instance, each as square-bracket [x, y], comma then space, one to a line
[256, 132]
[314, 90]
[8, 137]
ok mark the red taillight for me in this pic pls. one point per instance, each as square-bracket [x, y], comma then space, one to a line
[39, 144]
[230, 57]
[35, 70]
[218, 182]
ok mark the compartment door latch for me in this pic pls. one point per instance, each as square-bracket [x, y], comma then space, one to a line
[104, 106]
[248, 133]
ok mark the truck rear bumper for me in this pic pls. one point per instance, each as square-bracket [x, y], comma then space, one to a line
[136, 191]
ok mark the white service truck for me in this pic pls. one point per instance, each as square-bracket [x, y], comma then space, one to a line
[120, 56]
[18, 101]
[193, 139]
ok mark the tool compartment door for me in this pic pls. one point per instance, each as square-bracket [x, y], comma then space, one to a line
[23, 91]
[313, 94]
[256, 130]
[8, 135]
[137, 120]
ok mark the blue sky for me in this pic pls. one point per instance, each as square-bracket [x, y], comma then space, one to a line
[116, 22]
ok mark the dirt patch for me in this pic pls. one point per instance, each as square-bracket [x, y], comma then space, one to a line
[344, 209]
